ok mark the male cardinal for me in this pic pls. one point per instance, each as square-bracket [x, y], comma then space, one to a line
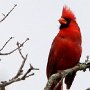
[66, 48]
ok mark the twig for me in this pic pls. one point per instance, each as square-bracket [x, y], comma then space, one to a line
[5, 16]
[24, 60]
[6, 43]
[19, 76]
[21, 45]
[28, 71]
[64, 73]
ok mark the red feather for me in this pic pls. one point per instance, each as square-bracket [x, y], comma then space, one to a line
[66, 48]
[68, 13]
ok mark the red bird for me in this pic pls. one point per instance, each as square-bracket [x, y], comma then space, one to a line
[66, 48]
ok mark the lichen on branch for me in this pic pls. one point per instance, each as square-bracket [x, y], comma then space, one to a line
[62, 74]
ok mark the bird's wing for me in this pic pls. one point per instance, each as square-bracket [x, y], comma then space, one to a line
[51, 62]
[56, 50]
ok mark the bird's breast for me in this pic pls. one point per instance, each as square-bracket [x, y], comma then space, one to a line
[67, 53]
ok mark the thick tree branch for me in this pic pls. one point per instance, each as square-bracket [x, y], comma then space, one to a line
[64, 73]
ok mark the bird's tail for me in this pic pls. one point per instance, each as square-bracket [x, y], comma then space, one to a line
[69, 79]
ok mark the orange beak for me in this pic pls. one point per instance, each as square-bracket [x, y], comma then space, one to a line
[62, 21]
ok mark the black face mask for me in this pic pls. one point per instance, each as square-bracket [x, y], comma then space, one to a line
[65, 25]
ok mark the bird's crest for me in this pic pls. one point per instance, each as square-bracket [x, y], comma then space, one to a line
[68, 13]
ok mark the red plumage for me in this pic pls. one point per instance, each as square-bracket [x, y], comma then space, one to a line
[66, 48]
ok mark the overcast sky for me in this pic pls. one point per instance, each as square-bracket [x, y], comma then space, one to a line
[38, 20]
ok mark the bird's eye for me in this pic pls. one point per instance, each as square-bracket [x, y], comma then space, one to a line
[67, 19]
[65, 25]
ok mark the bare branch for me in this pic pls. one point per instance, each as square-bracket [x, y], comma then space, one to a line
[5, 16]
[19, 75]
[64, 73]
[24, 60]
[2, 88]
[17, 78]
[28, 71]
[6, 43]
[21, 45]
